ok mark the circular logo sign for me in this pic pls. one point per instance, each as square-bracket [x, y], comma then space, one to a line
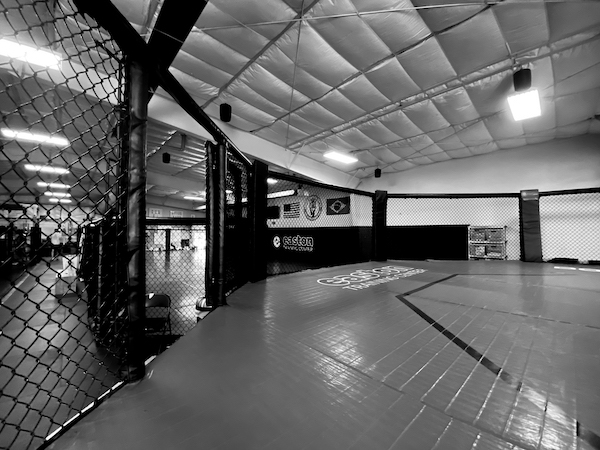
[313, 207]
[276, 241]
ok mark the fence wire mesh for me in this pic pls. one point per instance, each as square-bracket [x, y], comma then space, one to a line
[432, 220]
[570, 225]
[237, 225]
[312, 225]
[62, 221]
[175, 266]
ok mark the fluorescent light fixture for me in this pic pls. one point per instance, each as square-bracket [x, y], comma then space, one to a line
[280, 194]
[34, 137]
[59, 200]
[56, 194]
[30, 54]
[53, 185]
[341, 157]
[191, 197]
[46, 169]
[271, 180]
[525, 105]
[201, 207]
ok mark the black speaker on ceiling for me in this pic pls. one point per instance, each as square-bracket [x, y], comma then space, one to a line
[225, 112]
[377, 173]
[522, 80]
[166, 157]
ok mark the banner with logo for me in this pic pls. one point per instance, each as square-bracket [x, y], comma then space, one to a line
[293, 249]
[338, 206]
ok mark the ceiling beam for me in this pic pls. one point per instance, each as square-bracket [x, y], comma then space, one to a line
[174, 23]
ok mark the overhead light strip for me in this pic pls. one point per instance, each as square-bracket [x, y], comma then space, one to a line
[56, 194]
[46, 169]
[287, 193]
[340, 157]
[32, 55]
[53, 185]
[34, 137]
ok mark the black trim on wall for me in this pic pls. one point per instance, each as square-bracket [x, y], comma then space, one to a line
[571, 191]
[501, 195]
[300, 180]
[176, 221]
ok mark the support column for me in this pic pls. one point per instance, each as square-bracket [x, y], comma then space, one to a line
[137, 80]
[215, 190]
[379, 226]
[258, 222]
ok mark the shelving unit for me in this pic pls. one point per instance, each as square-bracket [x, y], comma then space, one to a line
[487, 242]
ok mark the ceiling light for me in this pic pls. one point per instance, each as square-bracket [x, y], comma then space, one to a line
[34, 137]
[280, 194]
[341, 157]
[29, 54]
[271, 180]
[46, 169]
[53, 185]
[191, 197]
[60, 200]
[56, 194]
[201, 207]
[525, 105]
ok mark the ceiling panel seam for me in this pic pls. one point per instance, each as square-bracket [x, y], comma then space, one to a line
[260, 53]
[373, 115]
[394, 55]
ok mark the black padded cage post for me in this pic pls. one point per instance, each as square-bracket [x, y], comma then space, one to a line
[258, 221]
[379, 226]
[215, 214]
[137, 82]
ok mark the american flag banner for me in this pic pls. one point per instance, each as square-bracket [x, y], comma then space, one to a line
[291, 210]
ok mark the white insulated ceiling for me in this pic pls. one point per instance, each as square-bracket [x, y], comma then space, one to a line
[396, 83]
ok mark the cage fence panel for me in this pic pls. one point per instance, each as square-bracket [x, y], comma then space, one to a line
[175, 266]
[570, 226]
[237, 224]
[312, 225]
[62, 220]
[438, 227]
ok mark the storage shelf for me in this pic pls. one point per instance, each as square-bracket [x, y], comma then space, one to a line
[487, 242]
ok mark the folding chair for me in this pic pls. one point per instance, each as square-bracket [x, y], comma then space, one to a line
[158, 314]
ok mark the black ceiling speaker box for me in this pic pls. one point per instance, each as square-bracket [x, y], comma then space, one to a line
[166, 158]
[225, 112]
[522, 79]
[377, 173]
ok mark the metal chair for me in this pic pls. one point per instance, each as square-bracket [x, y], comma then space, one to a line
[158, 314]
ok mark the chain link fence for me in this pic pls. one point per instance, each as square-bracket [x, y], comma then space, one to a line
[570, 225]
[175, 266]
[63, 186]
[312, 225]
[237, 224]
[437, 227]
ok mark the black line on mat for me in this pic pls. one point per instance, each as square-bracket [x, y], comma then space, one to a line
[425, 286]
[585, 434]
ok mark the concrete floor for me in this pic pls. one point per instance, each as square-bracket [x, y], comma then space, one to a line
[456, 355]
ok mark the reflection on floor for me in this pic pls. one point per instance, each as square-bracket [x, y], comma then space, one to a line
[456, 355]
[51, 368]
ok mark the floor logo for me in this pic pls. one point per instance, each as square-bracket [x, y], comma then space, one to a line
[365, 278]
[313, 207]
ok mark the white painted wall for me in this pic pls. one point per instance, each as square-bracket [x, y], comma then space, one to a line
[554, 165]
